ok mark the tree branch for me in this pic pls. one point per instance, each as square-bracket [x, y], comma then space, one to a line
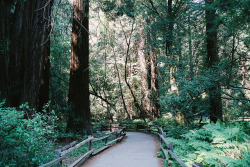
[103, 99]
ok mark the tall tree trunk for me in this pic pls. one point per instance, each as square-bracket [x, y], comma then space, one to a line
[28, 47]
[144, 62]
[154, 85]
[213, 59]
[5, 20]
[79, 118]
[152, 73]
[44, 88]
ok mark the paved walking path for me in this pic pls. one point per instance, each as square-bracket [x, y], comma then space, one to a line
[135, 150]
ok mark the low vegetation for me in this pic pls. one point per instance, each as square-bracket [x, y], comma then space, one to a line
[25, 141]
[217, 144]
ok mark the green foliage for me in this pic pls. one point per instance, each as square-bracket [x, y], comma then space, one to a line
[114, 9]
[25, 142]
[213, 145]
[108, 6]
[60, 61]
[164, 121]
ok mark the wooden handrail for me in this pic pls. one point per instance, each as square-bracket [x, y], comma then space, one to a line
[177, 158]
[101, 149]
[76, 146]
[100, 138]
[62, 153]
[169, 145]
[118, 139]
[165, 141]
[68, 146]
[53, 162]
[82, 158]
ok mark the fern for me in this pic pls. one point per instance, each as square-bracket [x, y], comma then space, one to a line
[214, 145]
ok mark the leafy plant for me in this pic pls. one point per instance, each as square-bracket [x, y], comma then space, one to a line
[214, 145]
[25, 142]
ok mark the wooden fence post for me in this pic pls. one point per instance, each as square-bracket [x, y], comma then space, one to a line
[90, 143]
[164, 134]
[171, 146]
[58, 155]
[106, 140]
[116, 135]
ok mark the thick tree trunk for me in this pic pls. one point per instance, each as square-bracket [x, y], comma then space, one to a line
[79, 119]
[152, 79]
[28, 47]
[5, 17]
[213, 59]
[44, 88]
[144, 62]
[154, 85]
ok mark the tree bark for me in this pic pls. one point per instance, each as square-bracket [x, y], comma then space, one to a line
[28, 47]
[154, 85]
[5, 17]
[79, 118]
[213, 59]
[152, 73]
[144, 63]
[44, 88]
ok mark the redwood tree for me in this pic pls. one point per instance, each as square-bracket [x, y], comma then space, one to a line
[26, 33]
[154, 85]
[144, 63]
[5, 15]
[79, 118]
[45, 77]
[213, 59]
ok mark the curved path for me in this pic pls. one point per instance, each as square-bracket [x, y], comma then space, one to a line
[135, 150]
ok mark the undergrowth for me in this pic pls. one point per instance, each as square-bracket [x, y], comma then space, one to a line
[25, 142]
[214, 145]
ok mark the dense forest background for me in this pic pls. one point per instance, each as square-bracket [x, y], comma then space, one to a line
[67, 66]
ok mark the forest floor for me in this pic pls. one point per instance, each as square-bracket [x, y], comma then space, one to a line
[136, 150]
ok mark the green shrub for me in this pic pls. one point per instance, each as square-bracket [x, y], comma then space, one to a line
[214, 145]
[25, 142]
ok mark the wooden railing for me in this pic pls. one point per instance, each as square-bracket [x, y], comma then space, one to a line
[170, 150]
[64, 152]
[119, 134]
